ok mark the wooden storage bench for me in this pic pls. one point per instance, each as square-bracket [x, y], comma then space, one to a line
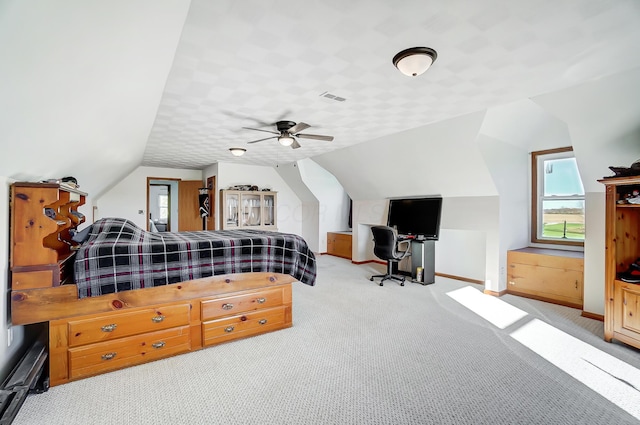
[339, 244]
[546, 274]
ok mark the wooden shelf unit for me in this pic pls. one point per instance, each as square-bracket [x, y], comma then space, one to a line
[622, 248]
[546, 274]
[40, 253]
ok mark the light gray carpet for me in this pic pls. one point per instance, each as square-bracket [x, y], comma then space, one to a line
[357, 354]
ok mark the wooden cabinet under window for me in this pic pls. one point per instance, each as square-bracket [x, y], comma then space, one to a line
[248, 209]
[546, 274]
[339, 244]
[622, 249]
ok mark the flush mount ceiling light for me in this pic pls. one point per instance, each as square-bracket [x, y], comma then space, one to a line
[237, 151]
[285, 140]
[415, 61]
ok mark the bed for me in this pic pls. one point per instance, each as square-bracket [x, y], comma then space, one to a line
[116, 295]
[118, 255]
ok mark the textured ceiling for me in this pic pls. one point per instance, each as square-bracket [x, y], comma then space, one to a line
[248, 63]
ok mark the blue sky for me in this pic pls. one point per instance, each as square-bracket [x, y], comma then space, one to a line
[561, 178]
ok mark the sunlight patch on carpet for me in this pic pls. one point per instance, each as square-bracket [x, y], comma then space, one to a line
[612, 378]
[496, 311]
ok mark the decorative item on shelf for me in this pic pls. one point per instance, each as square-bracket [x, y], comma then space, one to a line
[243, 187]
[632, 275]
[634, 170]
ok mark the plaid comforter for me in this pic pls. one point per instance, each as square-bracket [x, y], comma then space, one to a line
[120, 256]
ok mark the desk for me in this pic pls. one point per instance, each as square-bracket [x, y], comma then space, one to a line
[422, 255]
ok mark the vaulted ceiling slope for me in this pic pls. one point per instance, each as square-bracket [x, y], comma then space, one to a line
[95, 89]
[80, 84]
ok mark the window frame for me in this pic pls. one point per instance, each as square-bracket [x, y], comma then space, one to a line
[536, 207]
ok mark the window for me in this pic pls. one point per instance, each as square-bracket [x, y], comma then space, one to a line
[163, 207]
[557, 201]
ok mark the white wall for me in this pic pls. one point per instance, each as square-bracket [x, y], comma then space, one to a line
[7, 353]
[291, 174]
[366, 213]
[129, 196]
[441, 158]
[333, 201]
[83, 77]
[473, 215]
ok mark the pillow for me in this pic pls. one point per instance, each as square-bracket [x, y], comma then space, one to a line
[82, 235]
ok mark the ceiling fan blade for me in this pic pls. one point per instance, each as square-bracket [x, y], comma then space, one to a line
[260, 140]
[298, 127]
[295, 144]
[245, 117]
[259, 129]
[315, 136]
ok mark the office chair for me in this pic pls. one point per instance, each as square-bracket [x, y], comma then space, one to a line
[386, 248]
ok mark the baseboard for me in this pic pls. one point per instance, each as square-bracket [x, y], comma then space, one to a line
[545, 299]
[464, 279]
[494, 293]
[501, 293]
[384, 263]
[593, 316]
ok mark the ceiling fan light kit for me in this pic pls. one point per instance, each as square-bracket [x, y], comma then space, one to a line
[415, 61]
[286, 133]
[285, 140]
[237, 151]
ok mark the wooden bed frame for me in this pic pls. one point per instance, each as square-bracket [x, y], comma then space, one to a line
[94, 335]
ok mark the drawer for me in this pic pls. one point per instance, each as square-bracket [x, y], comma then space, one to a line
[235, 304]
[113, 326]
[543, 260]
[239, 326]
[104, 356]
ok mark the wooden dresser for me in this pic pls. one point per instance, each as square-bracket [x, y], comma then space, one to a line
[87, 345]
[339, 244]
[546, 274]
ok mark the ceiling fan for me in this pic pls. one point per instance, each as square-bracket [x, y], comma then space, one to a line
[287, 133]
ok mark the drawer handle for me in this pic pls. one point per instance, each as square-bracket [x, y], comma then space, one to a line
[108, 356]
[263, 321]
[109, 328]
[227, 306]
[261, 300]
[229, 329]
[158, 344]
[157, 319]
